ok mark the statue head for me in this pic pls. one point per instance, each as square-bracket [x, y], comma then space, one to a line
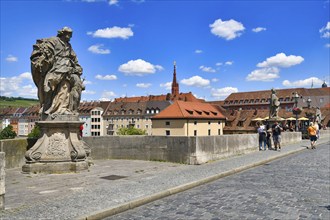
[65, 32]
[273, 91]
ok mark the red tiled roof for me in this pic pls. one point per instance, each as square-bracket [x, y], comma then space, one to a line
[182, 96]
[181, 109]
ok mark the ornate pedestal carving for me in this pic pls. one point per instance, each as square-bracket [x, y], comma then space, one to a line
[59, 150]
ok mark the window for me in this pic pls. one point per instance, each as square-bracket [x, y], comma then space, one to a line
[167, 123]
[209, 122]
[321, 100]
[195, 132]
[168, 132]
[219, 132]
[209, 132]
[195, 122]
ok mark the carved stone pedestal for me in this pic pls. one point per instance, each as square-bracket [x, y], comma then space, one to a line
[59, 149]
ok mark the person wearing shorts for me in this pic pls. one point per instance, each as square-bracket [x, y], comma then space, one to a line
[312, 134]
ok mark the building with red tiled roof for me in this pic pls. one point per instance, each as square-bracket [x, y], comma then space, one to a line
[124, 114]
[243, 107]
[260, 99]
[189, 119]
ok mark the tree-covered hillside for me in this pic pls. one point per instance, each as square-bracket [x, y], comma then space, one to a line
[17, 102]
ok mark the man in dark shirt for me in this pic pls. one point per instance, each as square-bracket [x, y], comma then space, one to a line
[276, 129]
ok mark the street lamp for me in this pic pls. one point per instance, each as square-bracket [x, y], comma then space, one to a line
[296, 97]
[309, 102]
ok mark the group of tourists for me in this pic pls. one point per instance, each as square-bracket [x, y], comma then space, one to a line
[266, 134]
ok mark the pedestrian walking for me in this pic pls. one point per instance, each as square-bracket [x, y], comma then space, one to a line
[312, 134]
[276, 130]
[262, 136]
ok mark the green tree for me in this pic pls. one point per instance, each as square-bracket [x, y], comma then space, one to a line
[131, 131]
[7, 133]
[35, 132]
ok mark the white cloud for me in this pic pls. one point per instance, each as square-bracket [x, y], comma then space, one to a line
[327, 45]
[264, 74]
[229, 63]
[281, 60]
[143, 85]
[114, 32]
[223, 92]
[214, 80]
[198, 51]
[107, 96]
[139, 67]
[207, 69]
[218, 64]
[88, 92]
[167, 86]
[325, 31]
[196, 81]
[113, 2]
[258, 29]
[26, 75]
[87, 82]
[21, 85]
[98, 50]
[228, 30]
[307, 83]
[11, 58]
[106, 77]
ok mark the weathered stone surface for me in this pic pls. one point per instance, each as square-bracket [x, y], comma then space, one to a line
[55, 168]
[2, 180]
[60, 143]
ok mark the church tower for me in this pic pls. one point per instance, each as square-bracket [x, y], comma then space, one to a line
[175, 85]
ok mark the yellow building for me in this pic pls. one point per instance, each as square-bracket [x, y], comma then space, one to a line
[188, 119]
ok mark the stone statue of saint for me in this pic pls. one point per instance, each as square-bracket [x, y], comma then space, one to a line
[56, 72]
[274, 105]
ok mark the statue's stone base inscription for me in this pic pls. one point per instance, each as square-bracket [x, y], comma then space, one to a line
[60, 149]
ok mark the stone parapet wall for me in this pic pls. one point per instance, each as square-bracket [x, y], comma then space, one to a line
[2, 180]
[177, 149]
[15, 151]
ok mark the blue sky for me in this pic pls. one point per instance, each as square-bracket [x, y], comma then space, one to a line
[127, 48]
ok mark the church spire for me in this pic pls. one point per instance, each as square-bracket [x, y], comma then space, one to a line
[175, 85]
